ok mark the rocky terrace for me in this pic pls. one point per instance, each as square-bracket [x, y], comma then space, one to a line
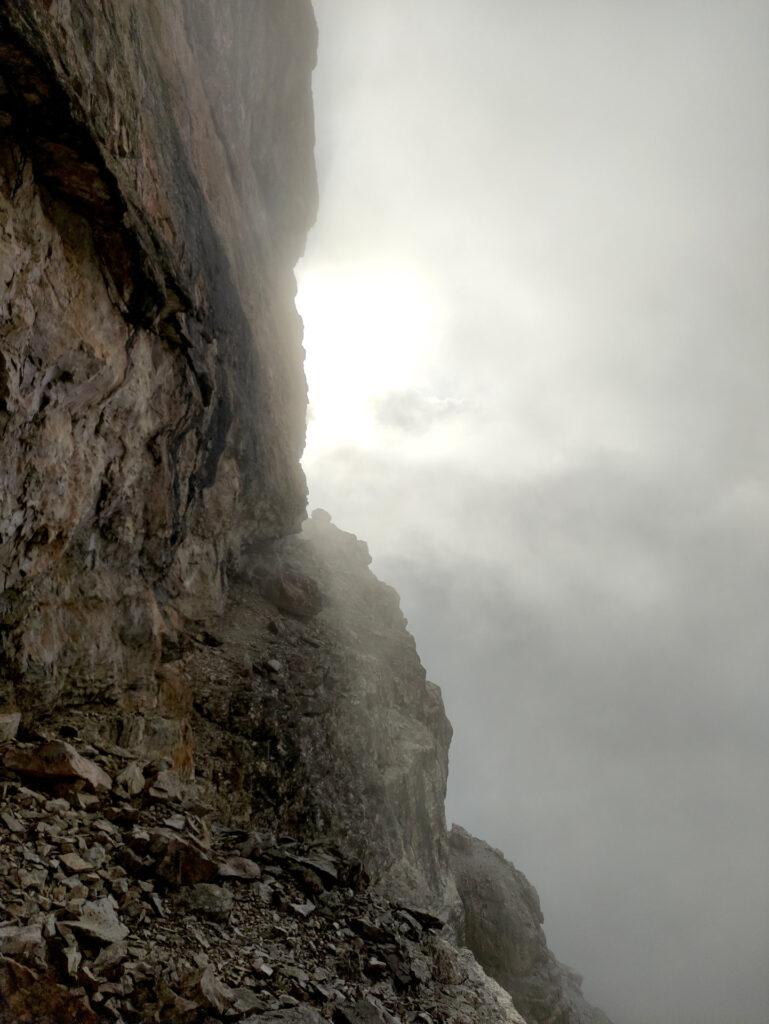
[123, 900]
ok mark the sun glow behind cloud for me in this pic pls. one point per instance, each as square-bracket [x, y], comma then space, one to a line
[383, 340]
[371, 331]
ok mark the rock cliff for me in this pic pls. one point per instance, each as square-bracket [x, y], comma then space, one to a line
[151, 385]
[312, 703]
[223, 768]
[503, 927]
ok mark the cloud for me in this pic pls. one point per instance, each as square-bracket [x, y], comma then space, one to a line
[602, 649]
[413, 412]
[573, 198]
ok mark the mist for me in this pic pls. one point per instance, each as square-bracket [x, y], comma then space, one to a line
[536, 320]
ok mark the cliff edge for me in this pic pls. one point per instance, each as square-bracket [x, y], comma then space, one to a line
[503, 927]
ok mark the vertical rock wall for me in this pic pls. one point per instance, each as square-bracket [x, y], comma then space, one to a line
[157, 183]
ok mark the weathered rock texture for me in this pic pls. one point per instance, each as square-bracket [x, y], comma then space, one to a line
[157, 186]
[156, 182]
[312, 701]
[503, 928]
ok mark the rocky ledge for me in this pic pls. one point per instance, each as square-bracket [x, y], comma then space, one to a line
[124, 900]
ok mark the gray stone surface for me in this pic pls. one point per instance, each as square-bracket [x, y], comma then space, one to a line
[503, 928]
[133, 941]
[349, 739]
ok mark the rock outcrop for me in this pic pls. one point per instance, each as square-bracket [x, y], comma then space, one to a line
[503, 927]
[156, 185]
[311, 707]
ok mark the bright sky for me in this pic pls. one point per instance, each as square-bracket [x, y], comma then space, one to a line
[376, 330]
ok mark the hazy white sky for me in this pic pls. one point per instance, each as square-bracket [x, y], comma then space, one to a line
[537, 315]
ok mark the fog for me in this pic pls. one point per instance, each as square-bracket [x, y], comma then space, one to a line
[536, 315]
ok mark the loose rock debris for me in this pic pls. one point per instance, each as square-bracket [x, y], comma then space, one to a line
[121, 900]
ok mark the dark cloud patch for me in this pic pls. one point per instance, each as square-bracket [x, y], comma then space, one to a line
[412, 411]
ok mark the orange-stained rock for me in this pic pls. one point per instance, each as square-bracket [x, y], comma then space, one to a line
[28, 998]
[57, 761]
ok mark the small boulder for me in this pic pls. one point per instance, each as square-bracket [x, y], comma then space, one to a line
[98, 920]
[57, 761]
[212, 901]
[362, 1012]
[206, 989]
[73, 863]
[131, 778]
[23, 942]
[179, 861]
[240, 867]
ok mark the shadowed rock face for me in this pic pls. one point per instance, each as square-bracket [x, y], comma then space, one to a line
[156, 185]
[313, 712]
[503, 928]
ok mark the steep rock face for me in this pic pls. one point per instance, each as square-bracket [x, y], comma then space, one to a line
[503, 928]
[313, 710]
[156, 185]
[393, 739]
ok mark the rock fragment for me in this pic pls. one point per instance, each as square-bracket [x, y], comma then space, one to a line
[211, 901]
[74, 863]
[99, 920]
[12, 823]
[58, 761]
[179, 861]
[363, 1012]
[9, 725]
[166, 786]
[207, 990]
[131, 778]
[240, 867]
[24, 1000]
[298, 1015]
[303, 909]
